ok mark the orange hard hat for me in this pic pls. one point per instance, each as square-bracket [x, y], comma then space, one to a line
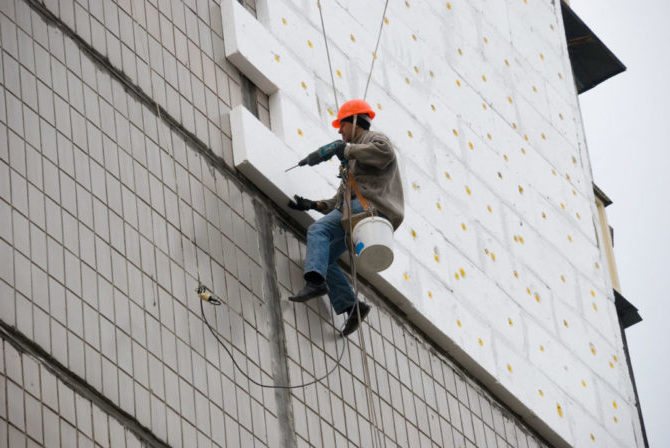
[353, 107]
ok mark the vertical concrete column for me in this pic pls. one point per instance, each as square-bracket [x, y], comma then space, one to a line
[278, 338]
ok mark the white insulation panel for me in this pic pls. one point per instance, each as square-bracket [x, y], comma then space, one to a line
[498, 255]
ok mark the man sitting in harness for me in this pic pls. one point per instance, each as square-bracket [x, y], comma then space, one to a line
[370, 162]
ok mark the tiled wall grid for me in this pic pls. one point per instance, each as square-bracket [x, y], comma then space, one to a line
[98, 264]
[499, 251]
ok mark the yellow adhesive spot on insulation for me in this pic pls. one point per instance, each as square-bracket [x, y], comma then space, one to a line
[409, 134]
[520, 189]
[509, 100]
[456, 276]
[431, 74]
[525, 137]
[277, 58]
[484, 106]
[544, 215]
[471, 146]
[405, 276]
[537, 297]
[438, 205]
[583, 383]
[516, 274]
[540, 392]
[493, 256]
[507, 63]
[413, 233]
[331, 112]
[480, 341]
[432, 106]
[615, 405]
[528, 291]
[563, 279]
[430, 294]
[352, 37]
[436, 257]
[542, 348]
[379, 106]
[447, 175]
[543, 136]
[594, 306]
[514, 125]
[489, 136]
[615, 358]
[303, 84]
[559, 410]
[460, 52]
[484, 78]
[449, 6]
[455, 132]
[565, 323]
[489, 208]
[462, 272]
[284, 21]
[506, 157]
[593, 438]
[459, 323]
[468, 191]
[611, 365]
[464, 227]
[510, 322]
[615, 419]
[407, 81]
[578, 216]
[593, 349]
[386, 21]
[542, 56]
[414, 37]
[300, 133]
[570, 238]
[458, 82]
[509, 368]
[593, 293]
[416, 70]
[486, 40]
[310, 44]
[338, 72]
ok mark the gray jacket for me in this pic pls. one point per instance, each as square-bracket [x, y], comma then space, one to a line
[374, 165]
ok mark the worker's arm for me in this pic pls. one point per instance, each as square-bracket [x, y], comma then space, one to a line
[377, 153]
[326, 206]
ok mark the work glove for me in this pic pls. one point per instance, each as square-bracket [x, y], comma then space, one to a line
[335, 148]
[302, 204]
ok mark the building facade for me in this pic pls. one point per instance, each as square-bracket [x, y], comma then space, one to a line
[143, 151]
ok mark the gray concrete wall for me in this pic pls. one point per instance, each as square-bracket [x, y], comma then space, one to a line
[117, 197]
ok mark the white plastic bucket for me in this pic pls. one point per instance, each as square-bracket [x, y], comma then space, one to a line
[373, 243]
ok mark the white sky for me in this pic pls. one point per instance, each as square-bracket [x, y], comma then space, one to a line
[628, 129]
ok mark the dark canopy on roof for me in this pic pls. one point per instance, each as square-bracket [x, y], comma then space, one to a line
[592, 62]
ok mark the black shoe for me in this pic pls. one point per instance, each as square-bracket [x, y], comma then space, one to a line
[353, 322]
[310, 291]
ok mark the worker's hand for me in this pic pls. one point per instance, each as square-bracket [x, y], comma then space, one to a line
[335, 148]
[302, 204]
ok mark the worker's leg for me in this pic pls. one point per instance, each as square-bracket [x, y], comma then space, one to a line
[321, 236]
[340, 292]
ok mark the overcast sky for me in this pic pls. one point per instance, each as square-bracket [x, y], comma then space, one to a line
[628, 129]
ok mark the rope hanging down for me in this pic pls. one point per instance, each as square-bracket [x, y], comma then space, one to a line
[207, 296]
[377, 438]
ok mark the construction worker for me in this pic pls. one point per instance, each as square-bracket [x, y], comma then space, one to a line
[369, 158]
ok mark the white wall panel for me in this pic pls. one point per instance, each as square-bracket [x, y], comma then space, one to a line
[497, 252]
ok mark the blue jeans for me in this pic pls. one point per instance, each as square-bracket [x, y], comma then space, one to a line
[325, 243]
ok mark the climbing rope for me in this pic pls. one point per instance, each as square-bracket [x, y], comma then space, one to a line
[377, 438]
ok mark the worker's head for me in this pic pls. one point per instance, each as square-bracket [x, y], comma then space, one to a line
[357, 111]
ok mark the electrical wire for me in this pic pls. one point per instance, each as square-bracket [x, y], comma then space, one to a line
[257, 383]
